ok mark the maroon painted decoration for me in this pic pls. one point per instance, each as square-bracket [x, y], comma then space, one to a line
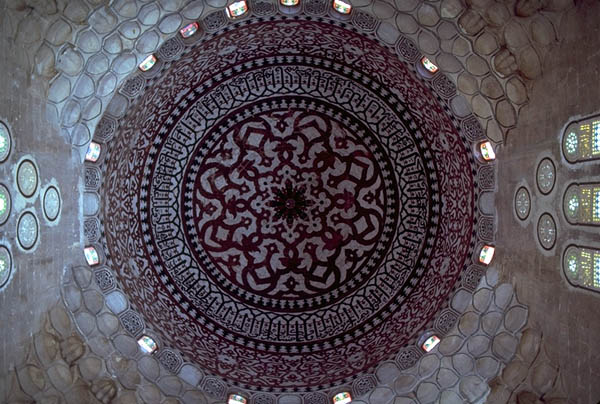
[298, 205]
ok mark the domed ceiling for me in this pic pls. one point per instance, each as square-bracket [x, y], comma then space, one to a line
[287, 203]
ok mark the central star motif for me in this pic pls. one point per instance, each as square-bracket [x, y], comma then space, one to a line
[290, 203]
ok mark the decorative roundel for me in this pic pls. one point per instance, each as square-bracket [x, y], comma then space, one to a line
[546, 230]
[51, 203]
[317, 204]
[5, 204]
[27, 178]
[5, 142]
[5, 265]
[546, 176]
[571, 143]
[285, 205]
[571, 203]
[571, 261]
[522, 203]
[27, 230]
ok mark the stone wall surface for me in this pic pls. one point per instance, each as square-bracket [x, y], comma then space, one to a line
[35, 282]
[566, 316]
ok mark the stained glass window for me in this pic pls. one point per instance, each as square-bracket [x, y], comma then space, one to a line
[582, 204]
[546, 230]
[571, 144]
[430, 343]
[4, 204]
[571, 263]
[91, 256]
[290, 3]
[572, 205]
[147, 344]
[27, 178]
[522, 203]
[582, 267]
[486, 254]
[342, 7]
[487, 151]
[189, 30]
[581, 140]
[5, 265]
[236, 399]
[237, 9]
[51, 203]
[147, 63]
[4, 142]
[342, 398]
[93, 152]
[428, 64]
[546, 176]
[27, 230]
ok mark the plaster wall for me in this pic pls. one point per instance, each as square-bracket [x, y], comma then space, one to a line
[35, 284]
[567, 316]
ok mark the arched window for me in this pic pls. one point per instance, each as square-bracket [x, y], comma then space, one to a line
[147, 344]
[428, 64]
[91, 256]
[237, 8]
[342, 7]
[582, 267]
[236, 399]
[147, 63]
[189, 30]
[581, 140]
[581, 204]
[343, 397]
[5, 142]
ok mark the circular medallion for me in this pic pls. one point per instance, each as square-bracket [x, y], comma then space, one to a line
[522, 203]
[51, 203]
[286, 210]
[306, 192]
[546, 176]
[27, 178]
[5, 265]
[5, 142]
[571, 263]
[5, 204]
[571, 204]
[570, 143]
[27, 230]
[546, 230]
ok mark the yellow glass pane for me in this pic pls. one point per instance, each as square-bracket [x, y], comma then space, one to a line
[585, 147]
[585, 197]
